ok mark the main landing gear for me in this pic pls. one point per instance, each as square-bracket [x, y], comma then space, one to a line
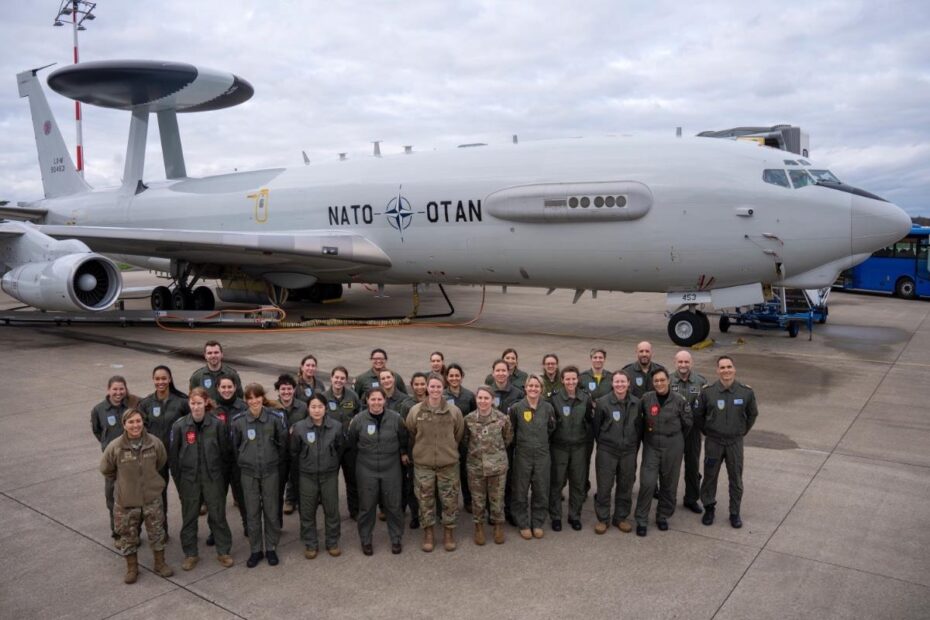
[184, 294]
[688, 327]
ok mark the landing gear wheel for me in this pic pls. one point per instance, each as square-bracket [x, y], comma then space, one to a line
[705, 324]
[202, 299]
[904, 288]
[161, 298]
[182, 299]
[823, 315]
[724, 324]
[686, 328]
[793, 328]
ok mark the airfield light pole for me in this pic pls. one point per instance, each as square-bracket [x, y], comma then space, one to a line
[80, 11]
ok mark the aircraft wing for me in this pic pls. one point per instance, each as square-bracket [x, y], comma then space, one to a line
[307, 251]
[23, 214]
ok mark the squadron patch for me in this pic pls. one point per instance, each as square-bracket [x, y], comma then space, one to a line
[191, 437]
[639, 381]
[528, 415]
[332, 405]
[111, 420]
[566, 410]
[721, 404]
[251, 434]
[616, 415]
[207, 382]
[497, 401]
[221, 416]
[308, 391]
[592, 385]
[156, 411]
[371, 429]
[311, 436]
[654, 410]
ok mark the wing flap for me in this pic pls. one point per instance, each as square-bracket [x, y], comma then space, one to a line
[313, 250]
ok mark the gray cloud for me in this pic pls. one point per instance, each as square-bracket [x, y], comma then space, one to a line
[330, 77]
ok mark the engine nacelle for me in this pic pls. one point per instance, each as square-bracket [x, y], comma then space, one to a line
[82, 282]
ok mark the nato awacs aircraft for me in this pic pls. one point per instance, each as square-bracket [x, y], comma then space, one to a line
[706, 221]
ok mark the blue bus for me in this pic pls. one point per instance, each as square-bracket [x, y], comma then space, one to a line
[900, 268]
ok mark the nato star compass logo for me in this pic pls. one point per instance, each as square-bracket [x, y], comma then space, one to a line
[399, 214]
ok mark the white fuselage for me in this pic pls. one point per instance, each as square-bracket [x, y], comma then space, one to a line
[712, 223]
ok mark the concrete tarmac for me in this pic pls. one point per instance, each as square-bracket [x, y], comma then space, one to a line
[836, 508]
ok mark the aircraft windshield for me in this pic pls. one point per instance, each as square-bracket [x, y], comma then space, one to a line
[776, 176]
[824, 175]
[800, 178]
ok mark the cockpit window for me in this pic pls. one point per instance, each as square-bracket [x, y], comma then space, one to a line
[804, 162]
[800, 178]
[790, 162]
[776, 176]
[824, 175]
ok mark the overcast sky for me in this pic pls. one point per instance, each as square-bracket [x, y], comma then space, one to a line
[332, 76]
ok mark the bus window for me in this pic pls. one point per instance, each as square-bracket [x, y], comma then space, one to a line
[776, 177]
[886, 252]
[904, 248]
[800, 178]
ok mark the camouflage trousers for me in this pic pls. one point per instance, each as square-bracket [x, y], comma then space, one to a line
[128, 523]
[487, 492]
[426, 479]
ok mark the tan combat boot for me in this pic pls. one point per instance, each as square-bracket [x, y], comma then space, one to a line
[132, 568]
[479, 534]
[499, 534]
[160, 567]
[427, 538]
[448, 538]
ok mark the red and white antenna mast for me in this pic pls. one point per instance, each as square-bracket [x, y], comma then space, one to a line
[79, 11]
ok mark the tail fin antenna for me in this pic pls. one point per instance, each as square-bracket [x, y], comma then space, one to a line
[59, 176]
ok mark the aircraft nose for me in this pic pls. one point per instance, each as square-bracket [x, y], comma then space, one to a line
[876, 224]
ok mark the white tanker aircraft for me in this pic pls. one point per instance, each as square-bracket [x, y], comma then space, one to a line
[706, 221]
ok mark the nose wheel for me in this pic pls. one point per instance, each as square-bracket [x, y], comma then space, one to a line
[688, 327]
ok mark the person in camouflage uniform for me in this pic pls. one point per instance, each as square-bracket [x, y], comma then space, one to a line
[436, 429]
[132, 461]
[488, 432]
[105, 424]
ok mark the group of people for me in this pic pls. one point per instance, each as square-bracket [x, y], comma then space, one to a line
[510, 447]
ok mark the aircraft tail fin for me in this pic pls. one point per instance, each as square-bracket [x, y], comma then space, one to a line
[59, 176]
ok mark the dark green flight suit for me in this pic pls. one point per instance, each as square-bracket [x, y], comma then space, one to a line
[316, 451]
[343, 409]
[210, 380]
[596, 388]
[200, 458]
[532, 428]
[517, 379]
[618, 428]
[307, 389]
[225, 412]
[261, 453]
[550, 385]
[725, 415]
[293, 413]
[642, 379]
[159, 416]
[465, 401]
[664, 428]
[402, 404]
[567, 451]
[369, 379]
[690, 390]
[379, 442]
[107, 425]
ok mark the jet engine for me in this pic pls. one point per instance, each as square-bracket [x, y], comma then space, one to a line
[82, 282]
